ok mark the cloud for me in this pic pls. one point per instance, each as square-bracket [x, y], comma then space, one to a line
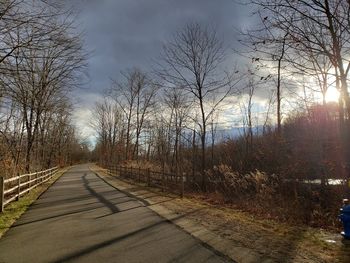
[127, 33]
[83, 114]
[122, 34]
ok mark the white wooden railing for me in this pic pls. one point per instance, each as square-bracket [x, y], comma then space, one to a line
[13, 188]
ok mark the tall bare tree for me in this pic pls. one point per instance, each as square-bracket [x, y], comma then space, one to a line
[192, 61]
[135, 95]
[108, 123]
[179, 107]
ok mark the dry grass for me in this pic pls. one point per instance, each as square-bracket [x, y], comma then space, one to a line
[280, 241]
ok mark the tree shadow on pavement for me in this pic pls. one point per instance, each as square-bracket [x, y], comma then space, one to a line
[109, 242]
[100, 197]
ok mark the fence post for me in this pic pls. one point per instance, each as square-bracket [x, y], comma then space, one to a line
[139, 174]
[29, 179]
[39, 177]
[182, 185]
[148, 177]
[163, 181]
[18, 186]
[2, 189]
[36, 177]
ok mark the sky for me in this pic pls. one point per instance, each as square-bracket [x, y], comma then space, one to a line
[121, 34]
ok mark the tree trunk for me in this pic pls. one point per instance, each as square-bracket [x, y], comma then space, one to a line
[203, 137]
[279, 86]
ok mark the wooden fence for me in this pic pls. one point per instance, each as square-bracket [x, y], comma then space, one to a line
[12, 188]
[165, 181]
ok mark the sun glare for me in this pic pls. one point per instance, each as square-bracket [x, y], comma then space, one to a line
[332, 94]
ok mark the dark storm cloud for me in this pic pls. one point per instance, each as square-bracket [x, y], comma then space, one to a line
[127, 33]
[121, 34]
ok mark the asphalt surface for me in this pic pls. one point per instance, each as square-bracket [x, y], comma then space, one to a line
[80, 218]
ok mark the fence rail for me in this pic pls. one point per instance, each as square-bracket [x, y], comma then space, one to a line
[165, 181]
[13, 188]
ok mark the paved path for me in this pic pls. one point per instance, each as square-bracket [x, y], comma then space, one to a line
[82, 219]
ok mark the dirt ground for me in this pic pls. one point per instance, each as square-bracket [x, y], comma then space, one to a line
[279, 242]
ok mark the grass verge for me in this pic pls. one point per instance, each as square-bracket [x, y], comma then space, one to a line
[15, 209]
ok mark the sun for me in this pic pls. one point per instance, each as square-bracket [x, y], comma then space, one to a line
[332, 95]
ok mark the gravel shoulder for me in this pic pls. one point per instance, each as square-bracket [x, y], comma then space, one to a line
[235, 233]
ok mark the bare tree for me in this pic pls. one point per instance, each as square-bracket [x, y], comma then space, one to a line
[248, 116]
[179, 107]
[135, 95]
[268, 50]
[318, 26]
[109, 127]
[41, 61]
[191, 61]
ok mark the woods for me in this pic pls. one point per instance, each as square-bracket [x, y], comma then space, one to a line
[41, 62]
[194, 116]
